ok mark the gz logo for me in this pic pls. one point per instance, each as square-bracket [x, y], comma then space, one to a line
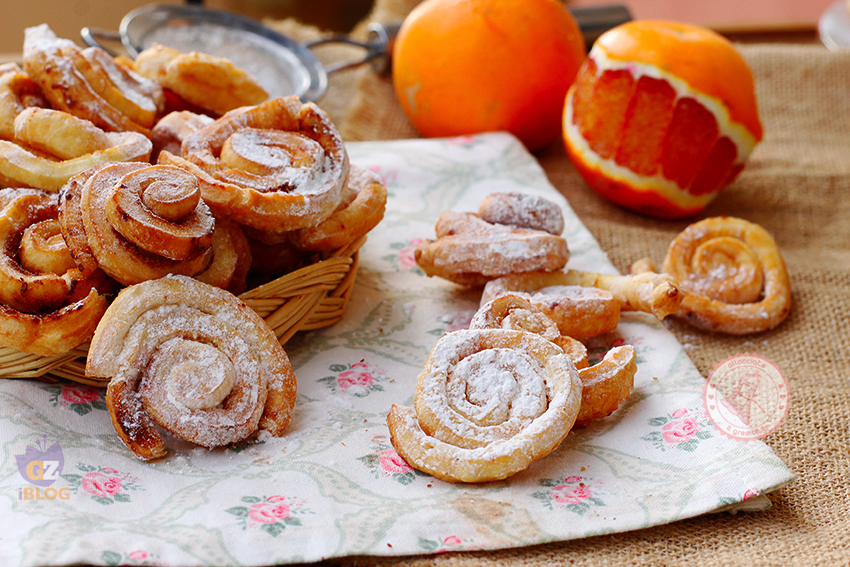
[41, 466]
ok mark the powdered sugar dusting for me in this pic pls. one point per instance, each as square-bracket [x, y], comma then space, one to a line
[522, 211]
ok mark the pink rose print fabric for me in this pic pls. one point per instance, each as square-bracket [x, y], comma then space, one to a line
[103, 485]
[385, 463]
[572, 493]
[358, 379]
[77, 398]
[270, 514]
[682, 429]
[402, 258]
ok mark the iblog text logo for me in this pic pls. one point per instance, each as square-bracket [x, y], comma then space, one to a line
[41, 466]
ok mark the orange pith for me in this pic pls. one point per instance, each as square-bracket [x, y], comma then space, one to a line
[661, 117]
[469, 66]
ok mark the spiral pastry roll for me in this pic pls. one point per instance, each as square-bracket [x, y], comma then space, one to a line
[231, 258]
[89, 84]
[136, 221]
[193, 359]
[47, 306]
[579, 312]
[517, 312]
[278, 166]
[488, 403]
[51, 146]
[168, 134]
[733, 275]
[354, 218]
[605, 385]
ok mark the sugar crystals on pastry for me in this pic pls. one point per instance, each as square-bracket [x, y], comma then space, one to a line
[488, 403]
[193, 359]
[136, 221]
[732, 274]
[471, 251]
[277, 166]
[89, 85]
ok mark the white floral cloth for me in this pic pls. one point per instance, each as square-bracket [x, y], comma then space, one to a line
[334, 486]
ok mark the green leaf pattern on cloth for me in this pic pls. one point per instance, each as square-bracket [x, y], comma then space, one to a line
[333, 485]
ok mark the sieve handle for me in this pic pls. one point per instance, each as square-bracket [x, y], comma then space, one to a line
[378, 47]
[93, 37]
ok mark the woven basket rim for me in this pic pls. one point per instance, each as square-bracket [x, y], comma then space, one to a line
[311, 297]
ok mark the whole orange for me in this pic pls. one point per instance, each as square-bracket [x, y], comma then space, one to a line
[661, 117]
[469, 66]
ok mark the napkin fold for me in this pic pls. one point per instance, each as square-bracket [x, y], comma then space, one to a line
[334, 486]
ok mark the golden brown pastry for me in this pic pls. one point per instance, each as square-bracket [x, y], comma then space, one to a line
[278, 166]
[170, 131]
[352, 220]
[136, 221]
[89, 84]
[17, 92]
[605, 385]
[50, 146]
[522, 210]
[579, 312]
[648, 292]
[470, 251]
[47, 306]
[517, 312]
[488, 403]
[231, 258]
[733, 276]
[193, 359]
[211, 83]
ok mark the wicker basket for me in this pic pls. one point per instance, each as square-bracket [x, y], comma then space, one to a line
[311, 297]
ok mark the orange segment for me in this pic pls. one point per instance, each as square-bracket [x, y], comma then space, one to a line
[649, 115]
[701, 58]
[690, 138]
[661, 117]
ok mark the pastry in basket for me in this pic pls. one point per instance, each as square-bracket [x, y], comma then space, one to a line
[362, 206]
[278, 166]
[17, 93]
[170, 131]
[488, 403]
[732, 274]
[231, 258]
[137, 221]
[211, 83]
[471, 251]
[193, 359]
[89, 84]
[47, 305]
[51, 146]
[605, 385]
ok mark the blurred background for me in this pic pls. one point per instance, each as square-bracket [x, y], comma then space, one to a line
[67, 17]
[785, 20]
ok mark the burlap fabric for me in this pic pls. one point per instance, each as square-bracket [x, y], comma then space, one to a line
[797, 185]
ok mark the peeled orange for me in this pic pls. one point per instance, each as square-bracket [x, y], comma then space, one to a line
[469, 66]
[661, 117]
